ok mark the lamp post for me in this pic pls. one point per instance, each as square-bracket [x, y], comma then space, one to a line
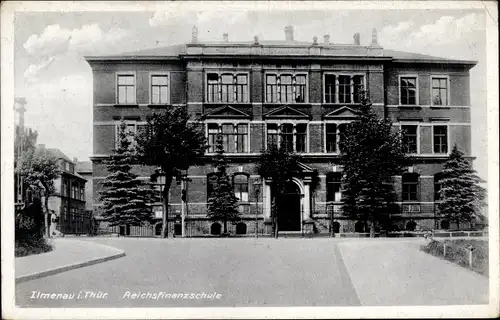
[256, 186]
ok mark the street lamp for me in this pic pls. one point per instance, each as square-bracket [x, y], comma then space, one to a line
[256, 187]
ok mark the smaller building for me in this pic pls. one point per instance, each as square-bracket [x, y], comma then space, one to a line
[67, 204]
[84, 169]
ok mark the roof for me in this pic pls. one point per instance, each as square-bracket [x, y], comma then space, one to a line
[179, 50]
[54, 152]
[84, 167]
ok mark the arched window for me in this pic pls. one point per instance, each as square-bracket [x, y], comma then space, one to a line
[240, 184]
[411, 225]
[445, 224]
[333, 186]
[410, 186]
[241, 228]
[211, 183]
[359, 226]
[215, 229]
[437, 186]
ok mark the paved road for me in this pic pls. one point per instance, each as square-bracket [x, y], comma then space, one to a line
[266, 272]
[246, 272]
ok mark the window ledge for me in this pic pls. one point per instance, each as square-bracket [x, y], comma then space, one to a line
[159, 105]
[410, 106]
[439, 107]
[127, 105]
[335, 104]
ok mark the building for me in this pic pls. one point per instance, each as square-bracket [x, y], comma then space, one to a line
[260, 92]
[68, 202]
[84, 169]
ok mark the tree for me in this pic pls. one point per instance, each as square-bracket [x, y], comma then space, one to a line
[172, 143]
[39, 170]
[371, 154]
[461, 193]
[278, 165]
[24, 140]
[125, 198]
[222, 203]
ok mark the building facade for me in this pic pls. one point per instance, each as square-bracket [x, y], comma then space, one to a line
[300, 93]
[68, 202]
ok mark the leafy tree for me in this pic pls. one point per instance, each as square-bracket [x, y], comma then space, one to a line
[39, 170]
[371, 154]
[279, 165]
[27, 139]
[222, 204]
[172, 143]
[125, 198]
[461, 193]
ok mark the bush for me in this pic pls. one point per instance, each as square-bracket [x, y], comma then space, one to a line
[29, 226]
[457, 252]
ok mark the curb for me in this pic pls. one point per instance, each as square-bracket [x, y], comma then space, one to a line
[69, 267]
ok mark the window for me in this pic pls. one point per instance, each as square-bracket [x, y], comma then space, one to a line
[410, 187]
[331, 137]
[333, 186]
[126, 89]
[130, 130]
[240, 184]
[343, 88]
[437, 186]
[159, 89]
[234, 137]
[293, 137]
[439, 91]
[227, 88]
[330, 88]
[82, 193]
[64, 188]
[410, 138]
[440, 139]
[286, 88]
[157, 187]
[408, 90]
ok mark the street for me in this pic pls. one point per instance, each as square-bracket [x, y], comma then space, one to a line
[259, 272]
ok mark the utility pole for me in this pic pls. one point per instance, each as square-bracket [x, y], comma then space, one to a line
[20, 107]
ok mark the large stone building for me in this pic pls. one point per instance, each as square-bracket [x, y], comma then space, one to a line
[260, 92]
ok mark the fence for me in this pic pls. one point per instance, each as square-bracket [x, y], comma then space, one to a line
[469, 253]
[76, 223]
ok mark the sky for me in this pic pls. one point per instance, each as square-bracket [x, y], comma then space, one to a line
[50, 72]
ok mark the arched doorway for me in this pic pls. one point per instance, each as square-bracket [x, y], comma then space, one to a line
[359, 226]
[241, 228]
[289, 218]
[215, 229]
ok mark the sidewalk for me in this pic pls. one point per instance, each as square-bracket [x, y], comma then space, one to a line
[388, 273]
[67, 254]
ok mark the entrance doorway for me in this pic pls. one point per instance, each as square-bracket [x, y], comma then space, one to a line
[289, 210]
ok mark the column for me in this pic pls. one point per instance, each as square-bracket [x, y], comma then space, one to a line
[266, 201]
[351, 82]
[307, 202]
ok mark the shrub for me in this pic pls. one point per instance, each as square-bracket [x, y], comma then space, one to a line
[29, 229]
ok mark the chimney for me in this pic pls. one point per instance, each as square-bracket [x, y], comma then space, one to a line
[315, 41]
[75, 160]
[356, 39]
[255, 40]
[327, 38]
[374, 37]
[194, 35]
[225, 37]
[289, 33]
